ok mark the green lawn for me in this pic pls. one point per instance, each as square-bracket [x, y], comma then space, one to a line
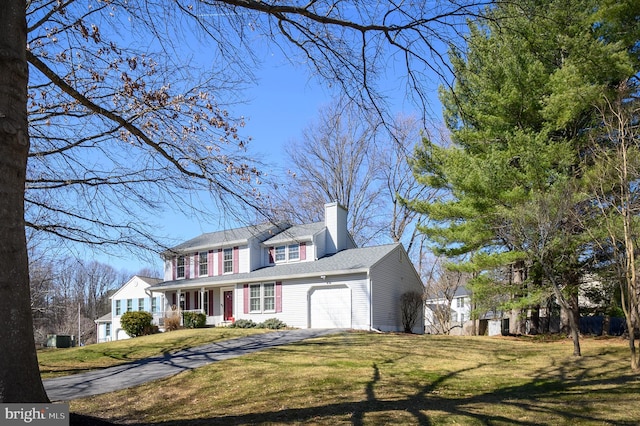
[371, 379]
[61, 362]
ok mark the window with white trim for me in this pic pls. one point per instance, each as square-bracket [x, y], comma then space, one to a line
[180, 267]
[118, 307]
[203, 258]
[129, 305]
[460, 302]
[262, 298]
[228, 260]
[269, 297]
[141, 304]
[286, 253]
[294, 251]
[281, 253]
[154, 305]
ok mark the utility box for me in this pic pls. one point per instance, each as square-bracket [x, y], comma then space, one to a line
[60, 341]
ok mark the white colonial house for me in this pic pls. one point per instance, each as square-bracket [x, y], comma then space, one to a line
[308, 276]
[134, 295]
[449, 314]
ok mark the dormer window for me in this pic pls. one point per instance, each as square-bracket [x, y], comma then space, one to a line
[287, 253]
[180, 267]
[294, 252]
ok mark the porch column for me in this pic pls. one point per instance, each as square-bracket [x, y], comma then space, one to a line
[202, 300]
[179, 297]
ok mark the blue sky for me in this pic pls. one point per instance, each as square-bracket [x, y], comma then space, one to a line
[284, 100]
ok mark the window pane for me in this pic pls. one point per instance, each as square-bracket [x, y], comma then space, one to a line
[228, 260]
[129, 305]
[154, 305]
[204, 266]
[180, 268]
[118, 308]
[254, 298]
[269, 297]
[281, 254]
[294, 252]
[141, 304]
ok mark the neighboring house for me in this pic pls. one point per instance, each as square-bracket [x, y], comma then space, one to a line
[308, 276]
[449, 315]
[134, 295]
[104, 327]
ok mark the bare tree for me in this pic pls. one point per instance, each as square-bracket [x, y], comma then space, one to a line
[362, 164]
[336, 160]
[613, 182]
[440, 290]
[69, 291]
[118, 116]
[399, 185]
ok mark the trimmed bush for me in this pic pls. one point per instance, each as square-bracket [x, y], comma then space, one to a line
[136, 323]
[243, 323]
[273, 324]
[194, 319]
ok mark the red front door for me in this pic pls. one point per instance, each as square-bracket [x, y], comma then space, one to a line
[228, 305]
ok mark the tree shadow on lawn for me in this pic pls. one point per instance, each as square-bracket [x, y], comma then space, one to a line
[534, 397]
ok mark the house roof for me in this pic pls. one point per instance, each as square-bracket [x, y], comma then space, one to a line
[104, 318]
[357, 260]
[296, 233]
[147, 280]
[228, 237]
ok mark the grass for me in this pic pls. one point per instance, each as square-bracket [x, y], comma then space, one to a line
[62, 362]
[371, 379]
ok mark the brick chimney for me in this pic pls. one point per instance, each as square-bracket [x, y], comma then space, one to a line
[335, 219]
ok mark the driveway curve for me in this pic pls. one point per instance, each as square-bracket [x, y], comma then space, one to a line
[145, 370]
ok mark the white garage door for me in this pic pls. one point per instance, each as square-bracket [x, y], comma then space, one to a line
[330, 307]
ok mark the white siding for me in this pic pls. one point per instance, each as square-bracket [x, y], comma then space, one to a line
[168, 270]
[391, 277]
[134, 289]
[319, 244]
[295, 301]
[255, 259]
[244, 259]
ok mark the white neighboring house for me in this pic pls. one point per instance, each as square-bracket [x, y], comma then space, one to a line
[449, 314]
[308, 276]
[134, 295]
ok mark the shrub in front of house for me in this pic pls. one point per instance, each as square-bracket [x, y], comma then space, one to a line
[136, 323]
[411, 304]
[243, 323]
[273, 324]
[194, 319]
[172, 322]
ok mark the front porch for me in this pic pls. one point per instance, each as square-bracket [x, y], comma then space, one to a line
[216, 303]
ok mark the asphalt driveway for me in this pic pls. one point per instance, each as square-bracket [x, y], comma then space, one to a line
[145, 370]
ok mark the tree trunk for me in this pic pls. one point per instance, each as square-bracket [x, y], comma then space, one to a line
[573, 312]
[19, 374]
[535, 320]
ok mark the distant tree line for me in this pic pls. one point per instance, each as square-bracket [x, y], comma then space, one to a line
[68, 294]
